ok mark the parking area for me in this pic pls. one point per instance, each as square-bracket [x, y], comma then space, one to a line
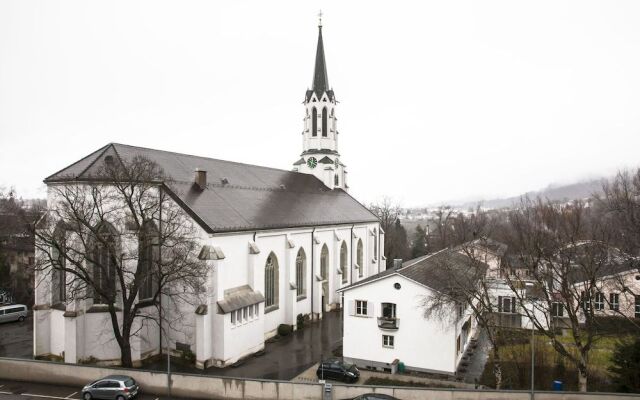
[16, 339]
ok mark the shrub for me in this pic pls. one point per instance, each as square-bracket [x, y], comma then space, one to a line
[300, 321]
[625, 370]
[284, 329]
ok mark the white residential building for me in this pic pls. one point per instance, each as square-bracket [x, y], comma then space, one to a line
[384, 318]
[277, 244]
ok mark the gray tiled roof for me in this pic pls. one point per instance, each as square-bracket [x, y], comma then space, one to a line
[440, 271]
[254, 197]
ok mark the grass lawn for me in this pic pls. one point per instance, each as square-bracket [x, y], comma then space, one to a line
[549, 365]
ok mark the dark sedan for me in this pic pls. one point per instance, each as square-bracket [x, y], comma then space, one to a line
[336, 369]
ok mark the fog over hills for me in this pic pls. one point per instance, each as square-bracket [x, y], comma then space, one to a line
[553, 192]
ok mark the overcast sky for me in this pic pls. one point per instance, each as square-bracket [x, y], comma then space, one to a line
[438, 100]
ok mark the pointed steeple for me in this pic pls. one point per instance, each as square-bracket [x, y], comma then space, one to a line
[320, 83]
[320, 78]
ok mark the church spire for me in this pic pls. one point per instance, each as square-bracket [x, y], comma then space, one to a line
[320, 83]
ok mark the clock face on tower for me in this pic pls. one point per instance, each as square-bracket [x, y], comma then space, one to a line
[312, 162]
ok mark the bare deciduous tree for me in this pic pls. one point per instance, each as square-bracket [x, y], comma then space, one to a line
[567, 249]
[118, 240]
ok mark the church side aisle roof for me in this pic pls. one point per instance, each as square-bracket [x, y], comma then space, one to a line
[254, 198]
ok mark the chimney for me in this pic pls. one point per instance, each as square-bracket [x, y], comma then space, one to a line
[201, 178]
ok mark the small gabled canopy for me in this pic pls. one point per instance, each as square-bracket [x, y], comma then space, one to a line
[239, 297]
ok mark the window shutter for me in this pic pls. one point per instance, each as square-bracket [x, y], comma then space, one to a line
[499, 303]
[370, 310]
[352, 307]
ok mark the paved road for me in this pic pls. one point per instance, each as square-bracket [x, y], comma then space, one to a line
[16, 339]
[35, 391]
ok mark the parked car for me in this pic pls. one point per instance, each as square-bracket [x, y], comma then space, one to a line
[112, 387]
[14, 312]
[375, 396]
[336, 369]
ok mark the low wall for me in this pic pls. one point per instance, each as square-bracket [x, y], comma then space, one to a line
[210, 387]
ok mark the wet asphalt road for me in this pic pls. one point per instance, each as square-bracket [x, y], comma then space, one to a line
[284, 359]
[36, 391]
[16, 339]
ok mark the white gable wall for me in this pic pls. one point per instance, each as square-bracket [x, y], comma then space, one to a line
[421, 343]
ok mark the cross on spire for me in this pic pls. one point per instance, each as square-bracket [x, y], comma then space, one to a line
[320, 19]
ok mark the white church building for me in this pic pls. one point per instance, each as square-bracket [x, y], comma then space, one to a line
[277, 244]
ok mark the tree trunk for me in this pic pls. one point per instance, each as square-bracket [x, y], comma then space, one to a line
[582, 378]
[497, 368]
[125, 353]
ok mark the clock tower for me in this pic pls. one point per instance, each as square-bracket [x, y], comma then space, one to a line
[320, 155]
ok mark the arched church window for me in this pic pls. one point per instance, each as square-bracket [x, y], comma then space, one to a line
[324, 122]
[104, 265]
[314, 122]
[149, 254]
[343, 261]
[324, 262]
[271, 284]
[336, 180]
[360, 259]
[301, 267]
[58, 265]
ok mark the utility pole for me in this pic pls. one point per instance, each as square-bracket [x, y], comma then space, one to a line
[533, 330]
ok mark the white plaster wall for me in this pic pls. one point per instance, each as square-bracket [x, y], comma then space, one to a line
[419, 342]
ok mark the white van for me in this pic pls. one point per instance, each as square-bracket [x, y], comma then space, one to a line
[14, 312]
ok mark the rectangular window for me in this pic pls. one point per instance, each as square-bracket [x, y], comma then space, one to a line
[388, 310]
[257, 310]
[233, 317]
[245, 313]
[387, 341]
[586, 303]
[251, 312]
[239, 316]
[599, 303]
[361, 308]
[557, 309]
[506, 304]
[637, 313]
[614, 301]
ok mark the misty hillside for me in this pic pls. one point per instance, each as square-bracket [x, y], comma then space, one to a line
[567, 192]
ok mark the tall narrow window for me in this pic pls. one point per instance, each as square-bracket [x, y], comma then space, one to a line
[343, 261]
[148, 254]
[375, 244]
[360, 260]
[324, 262]
[614, 301]
[104, 265]
[58, 265]
[314, 122]
[336, 180]
[301, 266]
[271, 283]
[324, 122]
[637, 306]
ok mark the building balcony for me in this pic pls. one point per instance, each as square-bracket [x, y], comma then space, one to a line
[388, 324]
